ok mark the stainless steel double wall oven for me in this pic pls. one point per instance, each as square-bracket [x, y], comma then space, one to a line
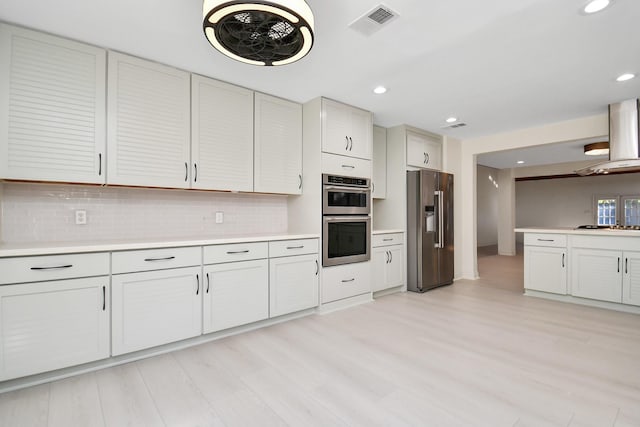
[346, 220]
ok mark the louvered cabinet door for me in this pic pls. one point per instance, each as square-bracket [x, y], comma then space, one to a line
[53, 325]
[222, 136]
[148, 112]
[52, 108]
[631, 278]
[278, 145]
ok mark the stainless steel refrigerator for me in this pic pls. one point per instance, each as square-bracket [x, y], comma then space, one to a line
[429, 230]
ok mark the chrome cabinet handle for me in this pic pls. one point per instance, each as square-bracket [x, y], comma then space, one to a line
[349, 166]
[426, 160]
[197, 284]
[351, 147]
[317, 267]
[104, 298]
[626, 266]
[295, 247]
[562, 260]
[238, 252]
[186, 171]
[387, 240]
[57, 267]
[546, 240]
[373, 187]
[208, 282]
[300, 180]
[159, 259]
[99, 164]
[195, 169]
[618, 264]
[350, 280]
[346, 148]
[390, 257]
[387, 254]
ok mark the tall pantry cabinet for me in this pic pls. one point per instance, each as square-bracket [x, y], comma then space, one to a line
[52, 108]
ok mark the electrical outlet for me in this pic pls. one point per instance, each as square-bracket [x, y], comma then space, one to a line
[81, 217]
[219, 217]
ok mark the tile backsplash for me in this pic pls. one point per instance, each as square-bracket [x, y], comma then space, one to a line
[33, 213]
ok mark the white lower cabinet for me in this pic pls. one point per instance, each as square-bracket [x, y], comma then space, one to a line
[345, 281]
[235, 293]
[155, 307]
[387, 258]
[631, 278]
[596, 274]
[545, 269]
[52, 325]
[293, 284]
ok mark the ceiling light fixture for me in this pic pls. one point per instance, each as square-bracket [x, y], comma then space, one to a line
[596, 149]
[596, 6]
[625, 77]
[520, 162]
[379, 90]
[452, 119]
[264, 32]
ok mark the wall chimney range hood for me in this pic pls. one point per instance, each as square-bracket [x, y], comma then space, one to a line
[623, 140]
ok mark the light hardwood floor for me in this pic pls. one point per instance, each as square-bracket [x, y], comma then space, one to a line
[469, 354]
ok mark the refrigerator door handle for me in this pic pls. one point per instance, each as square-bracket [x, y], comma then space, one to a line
[438, 213]
[439, 219]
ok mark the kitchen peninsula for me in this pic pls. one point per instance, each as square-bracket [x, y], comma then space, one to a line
[597, 267]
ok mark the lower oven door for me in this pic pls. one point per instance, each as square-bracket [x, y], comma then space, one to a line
[345, 239]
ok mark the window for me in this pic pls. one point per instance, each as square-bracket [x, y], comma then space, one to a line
[631, 210]
[615, 209]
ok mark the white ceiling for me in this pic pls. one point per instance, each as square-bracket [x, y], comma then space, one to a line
[498, 65]
[541, 155]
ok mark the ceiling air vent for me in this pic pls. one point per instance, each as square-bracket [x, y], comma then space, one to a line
[374, 20]
[456, 125]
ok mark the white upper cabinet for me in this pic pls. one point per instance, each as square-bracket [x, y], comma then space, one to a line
[222, 136]
[379, 163]
[346, 130]
[148, 123]
[52, 108]
[278, 145]
[424, 151]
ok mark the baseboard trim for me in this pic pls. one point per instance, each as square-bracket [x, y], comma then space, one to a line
[584, 301]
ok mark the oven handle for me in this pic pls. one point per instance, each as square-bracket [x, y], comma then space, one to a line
[349, 189]
[347, 218]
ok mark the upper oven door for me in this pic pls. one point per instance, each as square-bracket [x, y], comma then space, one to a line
[337, 200]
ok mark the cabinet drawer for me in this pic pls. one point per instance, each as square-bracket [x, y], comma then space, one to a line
[387, 239]
[235, 252]
[293, 247]
[52, 267]
[154, 259]
[346, 166]
[346, 281]
[545, 239]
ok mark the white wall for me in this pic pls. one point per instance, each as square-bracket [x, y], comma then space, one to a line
[33, 213]
[465, 204]
[567, 202]
[451, 155]
[487, 180]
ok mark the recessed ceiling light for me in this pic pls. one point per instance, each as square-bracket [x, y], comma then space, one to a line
[520, 162]
[625, 77]
[596, 6]
[452, 119]
[597, 149]
[379, 90]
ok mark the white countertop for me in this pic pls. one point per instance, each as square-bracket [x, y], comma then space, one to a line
[395, 230]
[29, 249]
[568, 230]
